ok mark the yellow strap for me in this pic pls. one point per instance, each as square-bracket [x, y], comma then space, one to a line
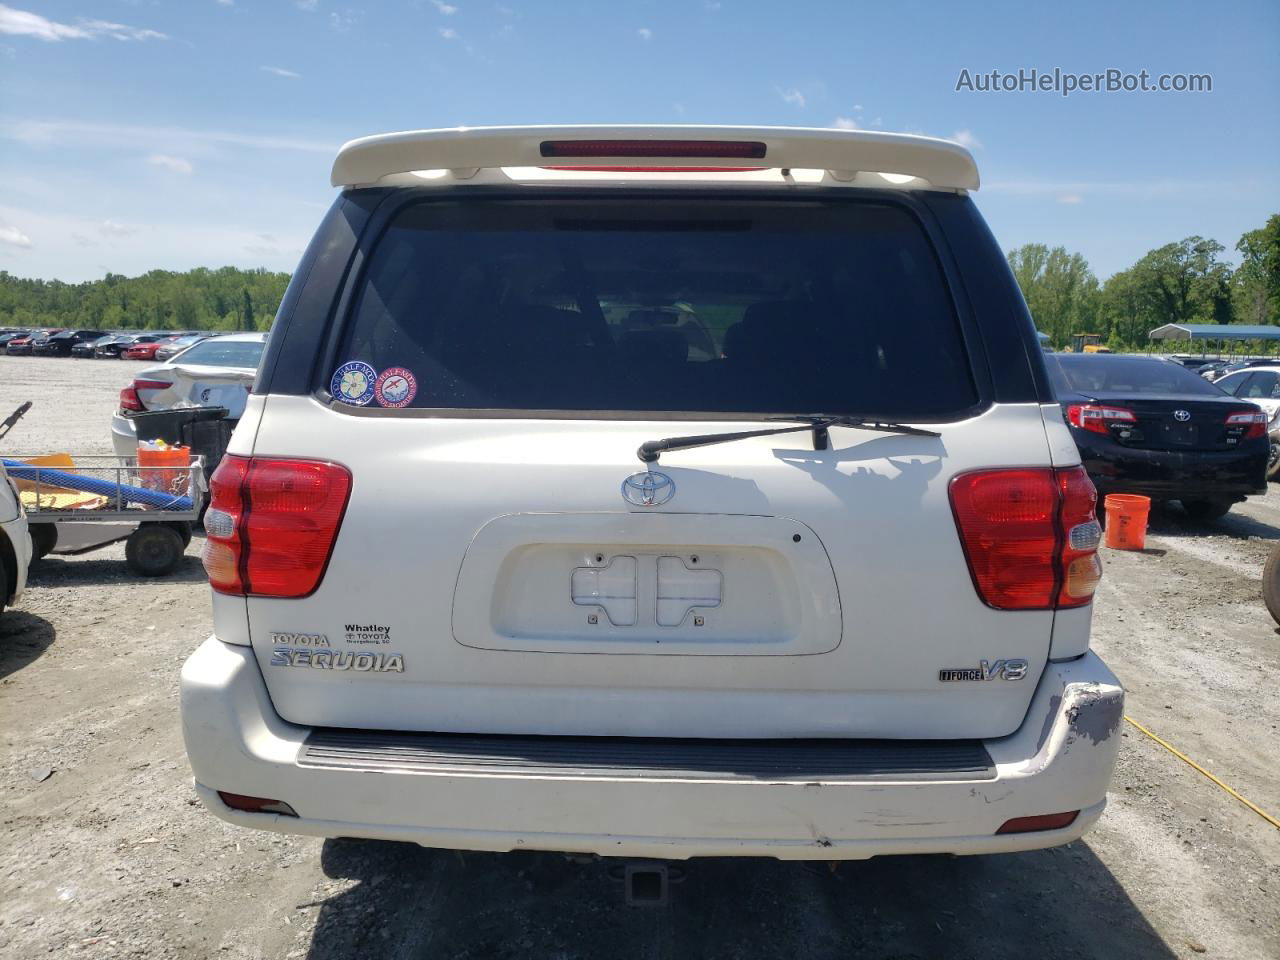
[1187, 760]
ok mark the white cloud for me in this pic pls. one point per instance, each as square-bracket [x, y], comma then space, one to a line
[25, 24]
[173, 164]
[844, 123]
[645, 33]
[857, 108]
[13, 236]
[120, 31]
[966, 139]
[1124, 189]
[793, 97]
[160, 139]
[1070, 198]
[74, 248]
[449, 33]
[109, 228]
[282, 72]
[342, 22]
[448, 9]
[226, 3]
[308, 6]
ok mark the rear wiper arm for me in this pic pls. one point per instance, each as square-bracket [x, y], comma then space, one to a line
[650, 450]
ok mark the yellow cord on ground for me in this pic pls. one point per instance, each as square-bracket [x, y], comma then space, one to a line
[1187, 760]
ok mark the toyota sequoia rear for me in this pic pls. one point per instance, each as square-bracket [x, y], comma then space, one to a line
[656, 492]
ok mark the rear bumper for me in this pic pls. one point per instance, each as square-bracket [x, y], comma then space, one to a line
[1060, 760]
[124, 437]
[15, 531]
[1172, 474]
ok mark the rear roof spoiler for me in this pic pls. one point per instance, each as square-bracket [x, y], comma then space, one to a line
[843, 153]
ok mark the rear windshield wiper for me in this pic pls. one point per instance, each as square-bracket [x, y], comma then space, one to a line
[650, 450]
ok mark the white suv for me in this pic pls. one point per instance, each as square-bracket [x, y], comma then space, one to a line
[499, 564]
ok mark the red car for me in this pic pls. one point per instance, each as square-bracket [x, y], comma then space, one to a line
[21, 346]
[145, 351]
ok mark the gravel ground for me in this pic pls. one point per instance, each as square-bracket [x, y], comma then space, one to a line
[109, 854]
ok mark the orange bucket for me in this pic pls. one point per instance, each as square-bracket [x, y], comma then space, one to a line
[171, 480]
[1126, 520]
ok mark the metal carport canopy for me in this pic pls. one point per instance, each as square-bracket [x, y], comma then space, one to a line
[1215, 331]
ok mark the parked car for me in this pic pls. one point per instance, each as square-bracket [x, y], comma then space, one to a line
[87, 349]
[15, 544]
[60, 344]
[1149, 427]
[493, 570]
[144, 349]
[22, 346]
[115, 346]
[10, 335]
[1218, 369]
[217, 372]
[1260, 384]
[168, 351]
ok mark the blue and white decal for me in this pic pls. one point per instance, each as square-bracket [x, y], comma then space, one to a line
[353, 383]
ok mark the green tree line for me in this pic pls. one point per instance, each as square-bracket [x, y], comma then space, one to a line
[1182, 282]
[202, 299]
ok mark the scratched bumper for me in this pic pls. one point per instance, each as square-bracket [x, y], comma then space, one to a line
[1061, 759]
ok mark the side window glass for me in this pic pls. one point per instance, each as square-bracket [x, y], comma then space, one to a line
[1262, 385]
[1233, 385]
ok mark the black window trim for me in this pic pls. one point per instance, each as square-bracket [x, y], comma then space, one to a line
[385, 205]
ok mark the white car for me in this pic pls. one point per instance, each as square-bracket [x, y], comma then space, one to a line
[217, 372]
[496, 569]
[15, 544]
[1260, 385]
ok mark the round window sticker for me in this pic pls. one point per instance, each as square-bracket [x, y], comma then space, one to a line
[353, 383]
[395, 387]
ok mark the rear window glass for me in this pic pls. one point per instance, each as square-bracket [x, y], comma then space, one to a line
[746, 307]
[226, 353]
[1103, 374]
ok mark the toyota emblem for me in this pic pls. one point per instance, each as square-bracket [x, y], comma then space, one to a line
[649, 489]
[1182, 416]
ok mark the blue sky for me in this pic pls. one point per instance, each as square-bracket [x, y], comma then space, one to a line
[179, 133]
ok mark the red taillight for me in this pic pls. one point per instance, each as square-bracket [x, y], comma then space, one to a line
[613, 169]
[272, 523]
[738, 149]
[129, 400]
[1254, 420]
[1029, 535]
[240, 801]
[1099, 419]
[1078, 520]
[223, 545]
[1045, 821]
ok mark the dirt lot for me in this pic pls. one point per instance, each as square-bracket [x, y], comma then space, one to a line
[109, 855]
